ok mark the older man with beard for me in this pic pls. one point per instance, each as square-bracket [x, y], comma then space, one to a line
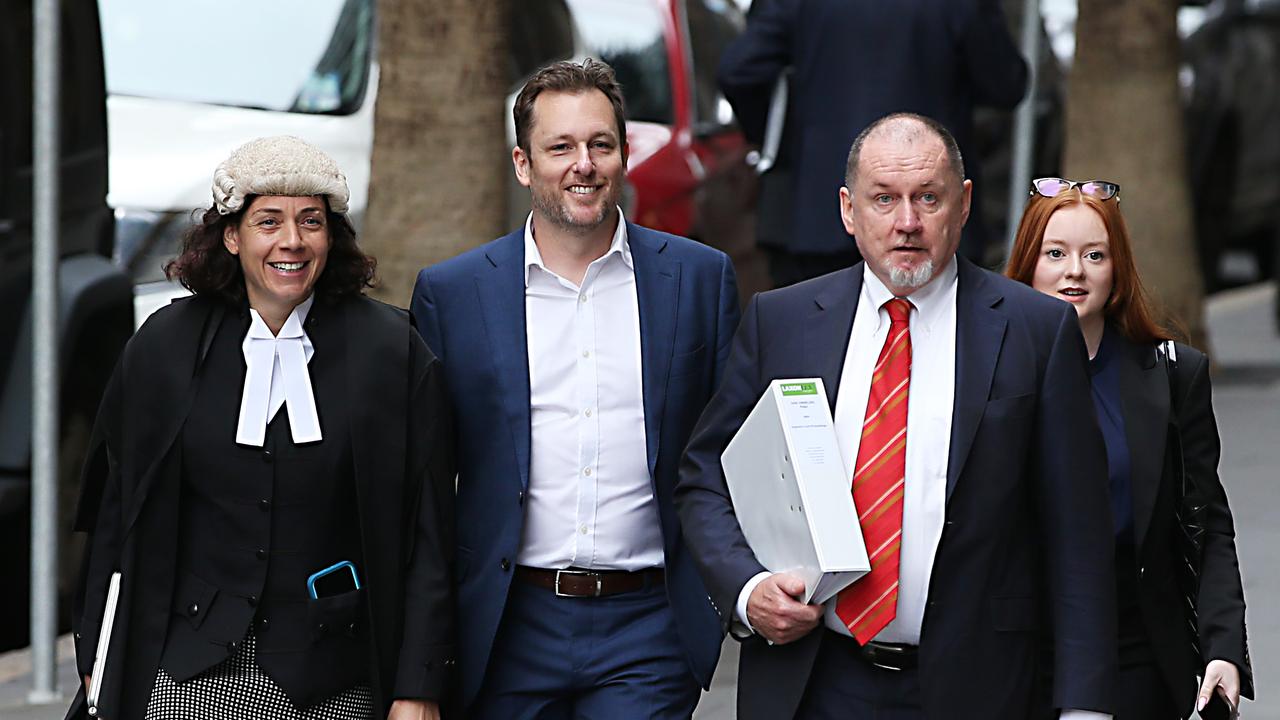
[579, 352]
[962, 412]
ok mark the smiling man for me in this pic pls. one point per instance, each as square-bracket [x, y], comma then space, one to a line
[579, 351]
[963, 416]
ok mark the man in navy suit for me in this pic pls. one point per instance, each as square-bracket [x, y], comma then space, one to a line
[853, 61]
[579, 352]
[1002, 542]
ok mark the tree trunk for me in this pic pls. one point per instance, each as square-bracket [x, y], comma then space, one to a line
[1125, 124]
[440, 160]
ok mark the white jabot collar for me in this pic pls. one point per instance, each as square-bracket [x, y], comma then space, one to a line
[277, 375]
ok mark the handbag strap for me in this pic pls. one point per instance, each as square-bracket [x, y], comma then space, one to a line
[1169, 352]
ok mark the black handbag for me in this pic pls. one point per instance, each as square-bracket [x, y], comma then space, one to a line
[1189, 508]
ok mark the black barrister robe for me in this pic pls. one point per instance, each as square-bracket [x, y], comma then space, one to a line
[404, 495]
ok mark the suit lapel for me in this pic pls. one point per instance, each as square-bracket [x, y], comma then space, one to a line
[829, 325]
[1144, 402]
[979, 335]
[500, 289]
[658, 298]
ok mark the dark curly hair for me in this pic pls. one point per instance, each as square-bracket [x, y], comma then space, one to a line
[206, 267]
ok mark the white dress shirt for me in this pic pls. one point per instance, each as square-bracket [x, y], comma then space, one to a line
[276, 372]
[590, 501]
[929, 402]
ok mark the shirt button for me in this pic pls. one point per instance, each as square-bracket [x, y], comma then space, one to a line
[587, 472]
[582, 299]
[587, 412]
[193, 609]
[583, 529]
[586, 353]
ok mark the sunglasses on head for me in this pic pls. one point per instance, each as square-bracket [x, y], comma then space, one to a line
[1052, 186]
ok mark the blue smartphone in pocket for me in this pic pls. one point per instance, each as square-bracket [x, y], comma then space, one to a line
[334, 580]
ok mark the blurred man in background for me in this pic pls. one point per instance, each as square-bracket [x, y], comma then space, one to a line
[850, 62]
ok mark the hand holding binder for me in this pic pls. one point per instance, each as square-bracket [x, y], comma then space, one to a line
[791, 493]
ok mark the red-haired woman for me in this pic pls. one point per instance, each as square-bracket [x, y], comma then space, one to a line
[1072, 244]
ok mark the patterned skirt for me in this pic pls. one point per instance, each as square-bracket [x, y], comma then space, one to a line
[237, 688]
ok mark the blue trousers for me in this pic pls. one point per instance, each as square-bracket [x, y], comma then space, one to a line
[616, 657]
[844, 686]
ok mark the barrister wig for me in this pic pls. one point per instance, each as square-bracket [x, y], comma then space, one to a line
[271, 166]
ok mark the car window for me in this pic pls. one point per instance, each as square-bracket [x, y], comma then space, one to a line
[308, 56]
[627, 34]
[713, 24]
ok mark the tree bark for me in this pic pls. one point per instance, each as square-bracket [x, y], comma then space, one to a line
[1125, 124]
[440, 159]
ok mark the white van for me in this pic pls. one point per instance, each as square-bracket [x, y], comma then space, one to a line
[188, 82]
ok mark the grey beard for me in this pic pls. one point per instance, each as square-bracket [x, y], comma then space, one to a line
[914, 279]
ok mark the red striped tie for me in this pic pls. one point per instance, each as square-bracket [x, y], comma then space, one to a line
[869, 604]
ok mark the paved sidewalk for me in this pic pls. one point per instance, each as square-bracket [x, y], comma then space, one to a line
[15, 684]
[1245, 348]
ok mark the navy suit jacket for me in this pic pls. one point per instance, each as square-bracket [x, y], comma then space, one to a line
[1026, 544]
[471, 311]
[854, 61]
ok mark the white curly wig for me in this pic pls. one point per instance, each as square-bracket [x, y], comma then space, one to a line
[281, 165]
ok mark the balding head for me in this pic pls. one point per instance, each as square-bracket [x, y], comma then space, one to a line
[904, 129]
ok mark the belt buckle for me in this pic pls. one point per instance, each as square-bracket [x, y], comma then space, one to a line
[578, 573]
[880, 650]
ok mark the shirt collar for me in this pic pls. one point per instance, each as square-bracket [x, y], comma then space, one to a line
[929, 301]
[618, 246]
[292, 327]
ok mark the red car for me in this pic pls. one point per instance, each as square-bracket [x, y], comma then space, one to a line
[688, 167]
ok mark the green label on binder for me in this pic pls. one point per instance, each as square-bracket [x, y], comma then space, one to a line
[807, 388]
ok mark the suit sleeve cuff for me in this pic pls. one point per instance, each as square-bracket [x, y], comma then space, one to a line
[742, 626]
[421, 681]
[1083, 715]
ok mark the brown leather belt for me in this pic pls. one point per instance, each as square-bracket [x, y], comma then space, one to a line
[589, 583]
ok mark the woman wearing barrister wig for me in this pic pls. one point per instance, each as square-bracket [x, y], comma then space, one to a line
[1153, 404]
[270, 475]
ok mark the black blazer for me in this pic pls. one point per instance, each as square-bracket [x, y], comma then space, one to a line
[1027, 539]
[1147, 407]
[403, 488]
